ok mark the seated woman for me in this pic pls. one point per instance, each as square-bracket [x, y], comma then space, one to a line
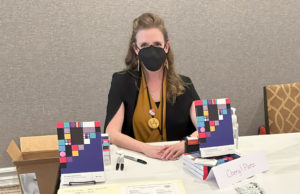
[149, 101]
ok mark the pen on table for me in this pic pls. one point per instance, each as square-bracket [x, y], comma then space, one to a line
[135, 159]
[118, 163]
[122, 163]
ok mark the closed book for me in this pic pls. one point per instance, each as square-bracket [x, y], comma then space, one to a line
[192, 170]
[195, 158]
[198, 166]
[214, 123]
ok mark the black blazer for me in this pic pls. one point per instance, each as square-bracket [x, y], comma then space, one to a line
[125, 88]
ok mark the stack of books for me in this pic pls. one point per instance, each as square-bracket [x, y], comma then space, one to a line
[106, 149]
[200, 167]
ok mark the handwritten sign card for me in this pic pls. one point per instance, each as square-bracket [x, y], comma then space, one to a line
[239, 169]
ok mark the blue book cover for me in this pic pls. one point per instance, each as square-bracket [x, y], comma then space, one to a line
[80, 147]
[214, 123]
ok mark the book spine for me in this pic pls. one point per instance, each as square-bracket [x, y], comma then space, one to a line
[193, 172]
[201, 172]
[199, 166]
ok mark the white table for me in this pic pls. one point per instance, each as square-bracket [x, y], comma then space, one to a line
[283, 177]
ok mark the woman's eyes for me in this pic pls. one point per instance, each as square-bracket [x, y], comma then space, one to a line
[156, 44]
[144, 45]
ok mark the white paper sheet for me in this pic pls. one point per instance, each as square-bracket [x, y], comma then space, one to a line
[158, 188]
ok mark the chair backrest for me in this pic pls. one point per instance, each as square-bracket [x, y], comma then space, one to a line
[282, 108]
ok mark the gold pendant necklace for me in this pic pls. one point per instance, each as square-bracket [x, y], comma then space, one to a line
[153, 123]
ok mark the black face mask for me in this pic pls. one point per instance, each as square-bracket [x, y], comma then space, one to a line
[152, 57]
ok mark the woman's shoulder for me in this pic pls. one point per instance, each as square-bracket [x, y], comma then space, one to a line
[185, 79]
[125, 75]
[123, 80]
[189, 87]
[122, 86]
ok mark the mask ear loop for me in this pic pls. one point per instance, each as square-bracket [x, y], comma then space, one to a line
[138, 60]
[166, 64]
[138, 64]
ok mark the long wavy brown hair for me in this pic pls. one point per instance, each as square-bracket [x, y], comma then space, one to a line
[175, 85]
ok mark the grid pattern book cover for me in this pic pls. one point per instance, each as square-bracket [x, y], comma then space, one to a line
[214, 122]
[80, 147]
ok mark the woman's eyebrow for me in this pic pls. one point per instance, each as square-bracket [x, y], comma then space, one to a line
[144, 44]
[157, 43]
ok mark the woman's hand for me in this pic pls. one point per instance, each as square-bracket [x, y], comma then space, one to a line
[154, 151]
[173, 151]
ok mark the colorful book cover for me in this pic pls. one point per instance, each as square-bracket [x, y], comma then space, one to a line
[80, 151]
[214, 123]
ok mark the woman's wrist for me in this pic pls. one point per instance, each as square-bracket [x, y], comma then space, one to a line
[143, 147]
[182, 144]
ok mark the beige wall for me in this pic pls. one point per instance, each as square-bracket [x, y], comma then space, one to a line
[57, 57]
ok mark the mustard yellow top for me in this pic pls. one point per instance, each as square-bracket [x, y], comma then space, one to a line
[141, 116]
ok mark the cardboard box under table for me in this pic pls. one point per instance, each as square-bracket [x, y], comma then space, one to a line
[39, 155]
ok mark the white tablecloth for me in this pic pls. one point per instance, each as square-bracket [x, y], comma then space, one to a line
[283, 177]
